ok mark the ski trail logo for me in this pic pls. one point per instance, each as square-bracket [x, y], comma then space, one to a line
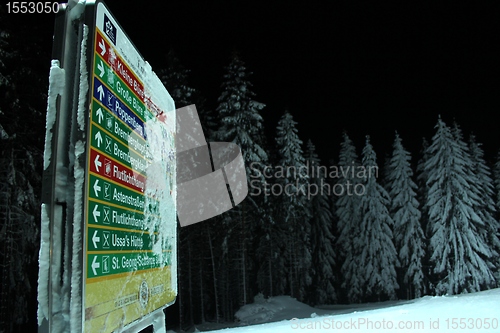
[110, 29]
[202, 190]
[144, 294]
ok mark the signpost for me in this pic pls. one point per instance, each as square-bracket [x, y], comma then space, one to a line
[127, 236]
[130, 248]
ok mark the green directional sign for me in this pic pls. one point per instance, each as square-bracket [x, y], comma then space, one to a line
[114, 148]
[106, 239]
[101, 265]
[112, 126]
[105, 190]
[115, 216]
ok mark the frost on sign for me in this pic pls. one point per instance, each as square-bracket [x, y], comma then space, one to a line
[130, 235]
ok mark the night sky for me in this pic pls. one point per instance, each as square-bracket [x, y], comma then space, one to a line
[365, 67]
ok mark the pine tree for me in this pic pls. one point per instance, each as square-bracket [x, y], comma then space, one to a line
[293, 214]
[175, 78]
[485, 190]
[422, 190]
[239, 118]
[408, 234]
[269, 249]
[460, 252]
[496, 181]
[348, 218]
[422, 187]
[5, 55]
[322, 240]
[377, 255]
[240, 122]
[192, 240]
[23, 89]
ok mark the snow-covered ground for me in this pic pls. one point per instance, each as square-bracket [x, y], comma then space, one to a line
[477, 312]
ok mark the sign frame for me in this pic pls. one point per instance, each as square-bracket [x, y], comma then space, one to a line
[73, 225]
[130, 68]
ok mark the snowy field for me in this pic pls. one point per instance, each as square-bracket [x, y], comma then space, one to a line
[477, 312]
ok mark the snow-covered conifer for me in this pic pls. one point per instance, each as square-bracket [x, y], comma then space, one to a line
[23, 87]
[459, 250]
[408, 234]
[422, 189]
[293, 180]
[175, 79]
[348, 218]
[239, 117]
[496, 181]
[485, 188]
[322, 240]
[240, 122]
[374, 245]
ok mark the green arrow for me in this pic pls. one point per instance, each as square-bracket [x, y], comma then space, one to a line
[100, 66]
[95, 239]
[99, 114]
[95, 265]
[97, 188]
[98, 138]
[96, 213]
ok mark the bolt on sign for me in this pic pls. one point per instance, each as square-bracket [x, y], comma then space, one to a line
[108, 250]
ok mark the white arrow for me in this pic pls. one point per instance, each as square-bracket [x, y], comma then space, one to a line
[100, 66]
[101, 93]
[103, 47]
[98, 138]
[95, 265]
[97, 188]
[95, 239]
[97, 163]
[100, 115]
[96, 213]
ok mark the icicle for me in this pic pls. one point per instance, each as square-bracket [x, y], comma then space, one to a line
[44, 260]
[56, 87]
